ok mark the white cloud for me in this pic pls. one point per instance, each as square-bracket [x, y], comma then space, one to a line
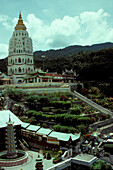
[88, 28]
[3, 51]
[5, 21]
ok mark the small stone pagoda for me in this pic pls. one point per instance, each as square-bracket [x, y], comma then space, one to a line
[11, 140]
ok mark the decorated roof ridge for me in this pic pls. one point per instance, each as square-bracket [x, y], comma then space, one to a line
[33, 76]
[33, 72]
[20, 25]
[41, 71]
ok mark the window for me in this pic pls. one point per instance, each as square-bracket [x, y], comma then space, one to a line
[19, 60]
[15, 70]
[19, 69]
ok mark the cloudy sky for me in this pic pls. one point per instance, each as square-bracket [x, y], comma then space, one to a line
[57, 24]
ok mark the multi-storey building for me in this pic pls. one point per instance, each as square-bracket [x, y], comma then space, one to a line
[20, 58]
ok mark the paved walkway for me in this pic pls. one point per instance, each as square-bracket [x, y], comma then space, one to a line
[30, 165]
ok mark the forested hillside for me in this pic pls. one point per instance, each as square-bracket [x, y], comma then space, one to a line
[89, 65]
[94, 64]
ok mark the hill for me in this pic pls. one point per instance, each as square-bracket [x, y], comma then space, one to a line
[90, 62]
[70, 50]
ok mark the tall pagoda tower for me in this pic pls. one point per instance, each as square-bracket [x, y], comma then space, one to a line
[20, 58]
[11, 140]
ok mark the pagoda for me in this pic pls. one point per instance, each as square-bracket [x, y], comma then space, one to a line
[20, 57]
[11, 140]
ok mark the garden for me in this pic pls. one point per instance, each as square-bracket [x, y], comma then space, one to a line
[59, 111]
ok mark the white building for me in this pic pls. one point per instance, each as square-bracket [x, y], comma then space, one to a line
[20, 58]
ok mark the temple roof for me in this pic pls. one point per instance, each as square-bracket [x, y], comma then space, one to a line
[20, 25]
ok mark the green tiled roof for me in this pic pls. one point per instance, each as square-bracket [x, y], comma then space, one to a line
[40, 71]
[24, 125]
[33, 128]
[30, 77]
[34, 72]
[64, 136]
[44, 131]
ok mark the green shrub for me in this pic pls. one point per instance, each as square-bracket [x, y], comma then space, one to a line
[57, 128]
[32, 120]
[30, 113]
[81, 128]
[14, 94]
[100, 165]
[62, 104]
[44, 125]
[75, 111]
[64, 129]
[57, 159]
[45, 109]
[84, 120]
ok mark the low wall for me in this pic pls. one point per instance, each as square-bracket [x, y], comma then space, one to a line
[13, 162]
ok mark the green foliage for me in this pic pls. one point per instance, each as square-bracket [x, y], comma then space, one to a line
[64, 129]
[14, 94]
[81, 128]
[84, 120]
[57, 159]
[100, 165]
[45, 109]
[44, 125]
[32, 120]
[75, 111]
[62, 104]
[95, 90]
[44, 100]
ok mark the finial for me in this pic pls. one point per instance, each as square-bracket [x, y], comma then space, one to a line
[9, 117]
[20, 25]
[20, 16]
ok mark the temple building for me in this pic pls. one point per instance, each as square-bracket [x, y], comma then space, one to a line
[20, 58]
[20, 66]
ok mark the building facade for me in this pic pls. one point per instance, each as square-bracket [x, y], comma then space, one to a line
[20, 58]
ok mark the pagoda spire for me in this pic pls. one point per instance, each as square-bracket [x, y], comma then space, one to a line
[20, 25]
[9, 118]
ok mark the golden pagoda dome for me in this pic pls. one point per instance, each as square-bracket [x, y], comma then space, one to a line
[20, 25]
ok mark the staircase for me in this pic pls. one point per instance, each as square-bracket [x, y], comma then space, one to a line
[91, 103]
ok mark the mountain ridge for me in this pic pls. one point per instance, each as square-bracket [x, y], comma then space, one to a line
[70, 50]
